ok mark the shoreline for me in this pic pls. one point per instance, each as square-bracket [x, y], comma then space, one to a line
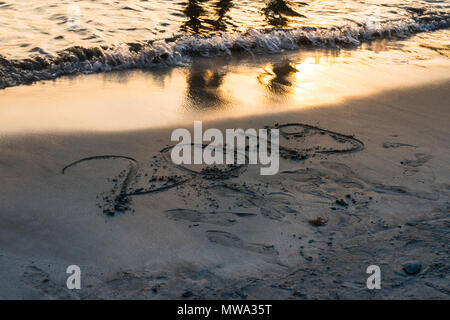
[208, 90]
[246, 236]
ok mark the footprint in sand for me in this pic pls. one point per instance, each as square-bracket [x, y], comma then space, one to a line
[223, 218]
[345, 173]
[421, 159]
[230, 240]
[40, 280]
[388, 145]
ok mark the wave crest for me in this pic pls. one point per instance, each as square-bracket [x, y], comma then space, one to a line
[179, 51]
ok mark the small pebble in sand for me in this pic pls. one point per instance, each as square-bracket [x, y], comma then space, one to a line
[412, 267]
[186, 294]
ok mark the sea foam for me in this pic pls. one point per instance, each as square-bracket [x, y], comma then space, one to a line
[181, 50]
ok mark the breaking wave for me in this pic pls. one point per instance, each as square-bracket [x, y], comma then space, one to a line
[179, 51]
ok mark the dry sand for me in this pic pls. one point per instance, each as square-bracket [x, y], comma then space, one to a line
[309, 232]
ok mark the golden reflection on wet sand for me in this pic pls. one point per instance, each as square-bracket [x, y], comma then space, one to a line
[207, 89]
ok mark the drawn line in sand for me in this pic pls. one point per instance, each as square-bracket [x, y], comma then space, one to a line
[121, 201]
[298, 132]
[307, 130]
[213, 172]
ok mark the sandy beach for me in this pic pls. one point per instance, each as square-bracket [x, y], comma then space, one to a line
[378, 196]
[354, 96]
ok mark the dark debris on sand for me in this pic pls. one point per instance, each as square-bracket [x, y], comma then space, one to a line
[318, 222]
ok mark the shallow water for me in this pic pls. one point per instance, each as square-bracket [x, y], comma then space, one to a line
[45, 27]
[47, 39]
[218, 88]
[212, 60]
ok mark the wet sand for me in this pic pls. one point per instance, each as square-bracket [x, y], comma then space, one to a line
[373, 188]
